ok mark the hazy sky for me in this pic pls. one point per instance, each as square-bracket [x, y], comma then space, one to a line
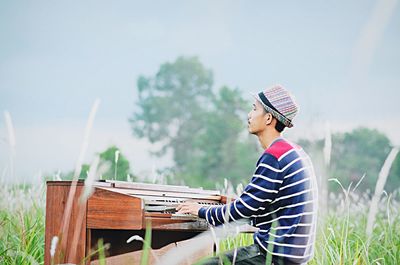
[339, 58]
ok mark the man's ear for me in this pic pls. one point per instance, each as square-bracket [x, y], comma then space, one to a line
[268, 118]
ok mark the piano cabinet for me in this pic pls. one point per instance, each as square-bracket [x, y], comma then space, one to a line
[115, 212]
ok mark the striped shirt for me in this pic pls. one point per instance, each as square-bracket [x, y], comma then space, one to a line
[280, 200]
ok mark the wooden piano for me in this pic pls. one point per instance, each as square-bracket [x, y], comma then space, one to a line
[116, 211]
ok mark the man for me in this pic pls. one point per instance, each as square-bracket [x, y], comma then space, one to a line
[281, 198]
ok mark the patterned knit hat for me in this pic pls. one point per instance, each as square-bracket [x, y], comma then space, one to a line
[280, 103]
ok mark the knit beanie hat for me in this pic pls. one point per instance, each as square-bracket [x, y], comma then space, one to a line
[280, 103]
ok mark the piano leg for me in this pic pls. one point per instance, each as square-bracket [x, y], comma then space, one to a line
[88, 246]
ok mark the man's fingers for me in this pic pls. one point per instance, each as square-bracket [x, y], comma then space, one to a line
[183, 210]
[183, 204]
[186, 207]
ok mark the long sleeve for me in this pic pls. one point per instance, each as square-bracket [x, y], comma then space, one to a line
[262, 190]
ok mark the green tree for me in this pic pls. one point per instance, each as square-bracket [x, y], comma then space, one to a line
[361, 151]
[84, 171]
[173, 99]
[118, 165]
[219, 150]
[179, 109]
[116, 169]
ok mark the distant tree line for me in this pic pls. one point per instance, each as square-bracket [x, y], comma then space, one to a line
[204, 129]
[357, 157]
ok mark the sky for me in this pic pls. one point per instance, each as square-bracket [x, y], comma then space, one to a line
[339, 58]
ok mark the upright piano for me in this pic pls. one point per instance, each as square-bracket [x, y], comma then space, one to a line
[117, 210]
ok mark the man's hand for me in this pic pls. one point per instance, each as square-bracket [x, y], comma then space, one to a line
[190, 207]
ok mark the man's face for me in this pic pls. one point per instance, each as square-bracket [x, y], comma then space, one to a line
[256, 118]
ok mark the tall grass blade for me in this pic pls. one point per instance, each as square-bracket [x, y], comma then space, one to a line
[327, 145]
[102, 256]
[116, 156]
[358, 183]
[91, 178]
[146, 245]
[380, 184]
[11, 140]
[72, 191]
[323, 184]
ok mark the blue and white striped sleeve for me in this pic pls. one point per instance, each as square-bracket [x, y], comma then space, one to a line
[262, 190]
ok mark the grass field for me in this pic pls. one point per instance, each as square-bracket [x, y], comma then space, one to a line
[342, 237]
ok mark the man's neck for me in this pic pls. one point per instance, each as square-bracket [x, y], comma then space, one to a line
[267, 137]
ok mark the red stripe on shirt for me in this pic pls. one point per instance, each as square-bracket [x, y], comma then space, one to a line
[279, 148]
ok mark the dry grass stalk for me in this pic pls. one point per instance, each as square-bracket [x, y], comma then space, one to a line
[327, 145]
[323, 183]
[116, 156]
[92, 176]
[11, 140]
[380, 184]
[53, 248]
[139, 238]
[72, 191]
[87, 191]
